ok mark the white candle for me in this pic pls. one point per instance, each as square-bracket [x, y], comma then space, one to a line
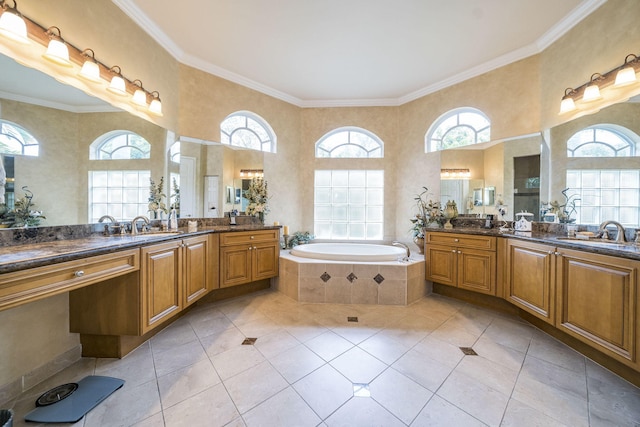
[276, 223]
[285, 230]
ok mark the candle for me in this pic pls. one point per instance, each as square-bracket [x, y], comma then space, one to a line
[285, 230]
[276, 223]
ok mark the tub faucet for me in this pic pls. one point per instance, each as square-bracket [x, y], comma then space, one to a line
[620, 238]
[402, 245]
[134, 227]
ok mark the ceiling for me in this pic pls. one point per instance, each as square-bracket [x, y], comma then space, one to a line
[353, 52]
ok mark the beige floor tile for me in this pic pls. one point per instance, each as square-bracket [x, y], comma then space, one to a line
[156, 420]
[510, 334]
[520, 415]
[329, 345]
[186, 382]
[324, 390]
[355, 333]
[362, 412]
[555, 391]
[255, 385]
[504, 356]
[406, 336]
[476, 399]
[401, 396]
[236, 360]
[454, 333]
[422, 369]
[284, 409]
[178, 357]
[135, 369]
[384, 348]
[209, 322]
[222, 341]
[491, 374]
[211, 408]
[611, 398]
[358, 365]
[440, 413]
[547, 348]
[259, 328]
[178, 333]
[126, 407]
[275, 343]
[297, 362]
[443, 352]
[305, 331]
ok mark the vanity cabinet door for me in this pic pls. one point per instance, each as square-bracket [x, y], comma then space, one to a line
[530, 278]
[235, 265]
[265, 260]
[598, 301]
[248, 256]
[477, 270]
[199, 274]
[161, 279]
[441, 265]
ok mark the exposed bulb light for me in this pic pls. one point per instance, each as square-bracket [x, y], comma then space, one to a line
[567, 104]
[455, 174]
[155, 107]
[12, 26]
[140, 95]
[90, 69]
[117, 85]
[627, 74]
[57, 50]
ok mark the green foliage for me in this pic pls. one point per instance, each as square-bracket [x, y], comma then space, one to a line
[300, 238]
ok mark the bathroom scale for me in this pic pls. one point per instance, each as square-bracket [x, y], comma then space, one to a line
[68, 403]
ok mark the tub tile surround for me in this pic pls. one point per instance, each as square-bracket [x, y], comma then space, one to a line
[401, 283]
[402, 354]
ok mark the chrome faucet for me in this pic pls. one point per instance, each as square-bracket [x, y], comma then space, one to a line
[134, 227]
[620, 238]
[402, 245]
[114, 224]
[109, 217]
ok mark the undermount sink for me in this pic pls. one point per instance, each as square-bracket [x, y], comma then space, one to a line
[157, 234]
[591, 242]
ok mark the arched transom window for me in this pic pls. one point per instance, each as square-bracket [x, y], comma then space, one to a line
[350, 142]
[457, 128]
[603, 141]
[120, 145]
[248, 130]
[16, 140]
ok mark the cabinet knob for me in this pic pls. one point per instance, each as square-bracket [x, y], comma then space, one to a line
[456, 240]
[254, 248]
[558, 253]
[251, 237]
[454, 251]
[459, 252]
[250, 248]
[79, 273]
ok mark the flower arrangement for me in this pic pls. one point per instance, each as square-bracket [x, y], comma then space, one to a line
[429, 214]
[258, 198]
[156, 197]
[22, 214]
[175, 196]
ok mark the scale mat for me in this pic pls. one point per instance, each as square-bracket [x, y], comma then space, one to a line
[91, 391]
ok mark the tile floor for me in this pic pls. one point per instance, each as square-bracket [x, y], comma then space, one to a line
[396, 366]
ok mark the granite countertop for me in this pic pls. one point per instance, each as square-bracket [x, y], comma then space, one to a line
[627, 250]
[20, 257]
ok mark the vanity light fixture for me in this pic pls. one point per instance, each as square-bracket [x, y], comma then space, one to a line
[604, 87]
[57, 50]
[592, 91]
[12, 24]
[251, 173]
[90, 69]
[117, 85]
[140, 95]
[455, 174]
[627, 74]
[155, 107]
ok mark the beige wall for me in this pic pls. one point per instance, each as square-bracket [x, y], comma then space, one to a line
[520, 98]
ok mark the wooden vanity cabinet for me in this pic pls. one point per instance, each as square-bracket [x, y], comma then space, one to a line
[461, 260]
[247, 256]
[530, 278]
[174, 275]
[597, 302]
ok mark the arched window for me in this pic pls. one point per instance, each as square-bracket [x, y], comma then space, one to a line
[16, 140]
[350, 142]
[120, 145]
[457, 128]
[248, 130]
[603, 140]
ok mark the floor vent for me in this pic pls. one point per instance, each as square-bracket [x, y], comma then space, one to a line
[352, 319]
[249, 341]
[468, 351]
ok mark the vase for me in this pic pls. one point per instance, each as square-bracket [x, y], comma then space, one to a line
[420, 242]
[261, 217]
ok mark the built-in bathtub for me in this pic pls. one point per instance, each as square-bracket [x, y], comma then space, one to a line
[351, 273]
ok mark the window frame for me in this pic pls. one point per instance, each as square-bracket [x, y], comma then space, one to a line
[95, 149]
[25, 134]
[628, 137]
[350, 130]
[457, 113]
[226, 138]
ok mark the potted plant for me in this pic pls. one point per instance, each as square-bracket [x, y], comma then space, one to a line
[157, 205]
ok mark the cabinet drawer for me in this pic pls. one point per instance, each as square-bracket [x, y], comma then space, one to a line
[28, 285]
[462, 240]
[240, 237]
